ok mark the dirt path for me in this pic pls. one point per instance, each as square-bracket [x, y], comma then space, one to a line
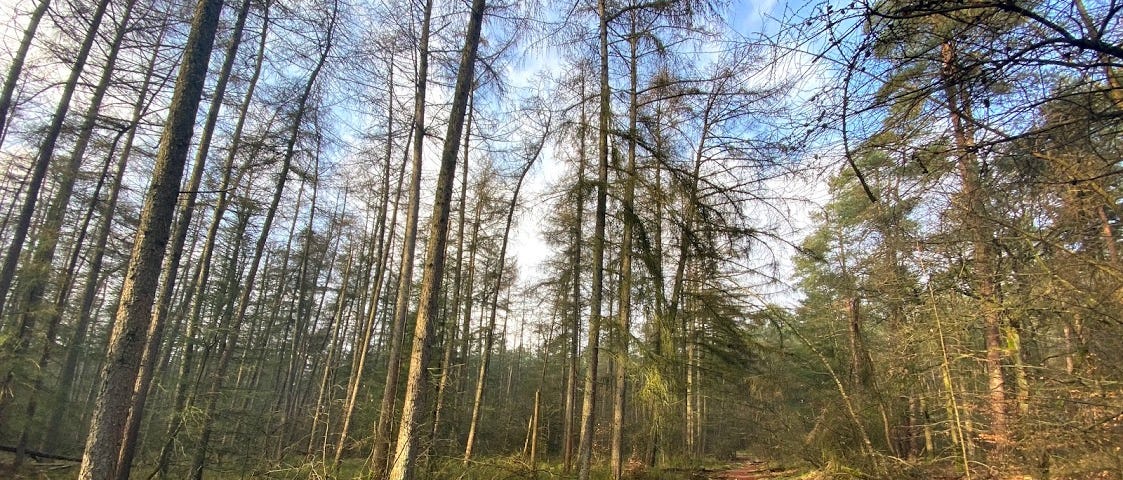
[751, 470]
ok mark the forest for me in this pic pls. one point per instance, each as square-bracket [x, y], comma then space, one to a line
[507, 239]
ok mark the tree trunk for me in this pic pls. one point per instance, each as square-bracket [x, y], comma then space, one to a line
[489, 333]
[139, 288]
[983, 253]
[16, 68]
[575, 322]
[247, 283]
[175, 252]
[333, 341]
[469, 288]
[19, 342]
[452, 324]
[383, 247]
[406, 449]
[588, 408]
[382, 432]
[623, 324]
[202, 276]
[533, 433]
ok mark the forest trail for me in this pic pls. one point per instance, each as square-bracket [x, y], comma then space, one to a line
[751, 470]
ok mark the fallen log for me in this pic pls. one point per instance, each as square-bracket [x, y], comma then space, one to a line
[36, 455]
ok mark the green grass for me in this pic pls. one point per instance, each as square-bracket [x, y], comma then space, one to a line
[510, 467]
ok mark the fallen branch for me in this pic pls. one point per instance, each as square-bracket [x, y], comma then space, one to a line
[36, 455]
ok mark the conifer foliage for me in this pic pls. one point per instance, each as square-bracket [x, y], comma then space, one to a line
[450, 239]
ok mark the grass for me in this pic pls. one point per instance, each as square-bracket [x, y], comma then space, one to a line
[509, 467]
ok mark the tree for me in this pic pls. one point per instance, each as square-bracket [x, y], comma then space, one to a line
[406, 449]
[409, 245]
[137, 296]
[16, 68]
[42, 161]
[201, 278]
[588, 404]
[325, 45]
[532, 152]
[36, 272]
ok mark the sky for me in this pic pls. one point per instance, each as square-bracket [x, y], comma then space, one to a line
[531, 251]
[527, 245]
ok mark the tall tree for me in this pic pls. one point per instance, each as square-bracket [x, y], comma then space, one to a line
[532, 154]
[37, 275]
[592, 347]
[230, 341]
[202, 274]
[16, 68]
[99, 460]
[43, 160]
[175, 249]
[386, 409]
[77, 344]
[412, 406]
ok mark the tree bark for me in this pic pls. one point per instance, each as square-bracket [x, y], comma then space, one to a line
[137, 295]
[588, 408]
[382, 432]
[412, 408]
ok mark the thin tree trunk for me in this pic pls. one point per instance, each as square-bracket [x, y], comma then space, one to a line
[287, 398]
[691, 404]
[42, 161]
[412, 406]
[385, 244]
[588, 409]
[380, 457]
[137, 294]
[16, 68]
[575, 321]
[469, 288]
[533, 433]
[248, 282]
[623, 325]
[383, 247]
[489, 333]
[334, 338]
[852, 413]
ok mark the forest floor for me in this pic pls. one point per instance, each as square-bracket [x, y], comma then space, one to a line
[753, 470]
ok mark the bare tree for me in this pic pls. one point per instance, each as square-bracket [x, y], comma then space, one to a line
[412, 405]
[382, 432]
[99, 460]
[533, 151]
